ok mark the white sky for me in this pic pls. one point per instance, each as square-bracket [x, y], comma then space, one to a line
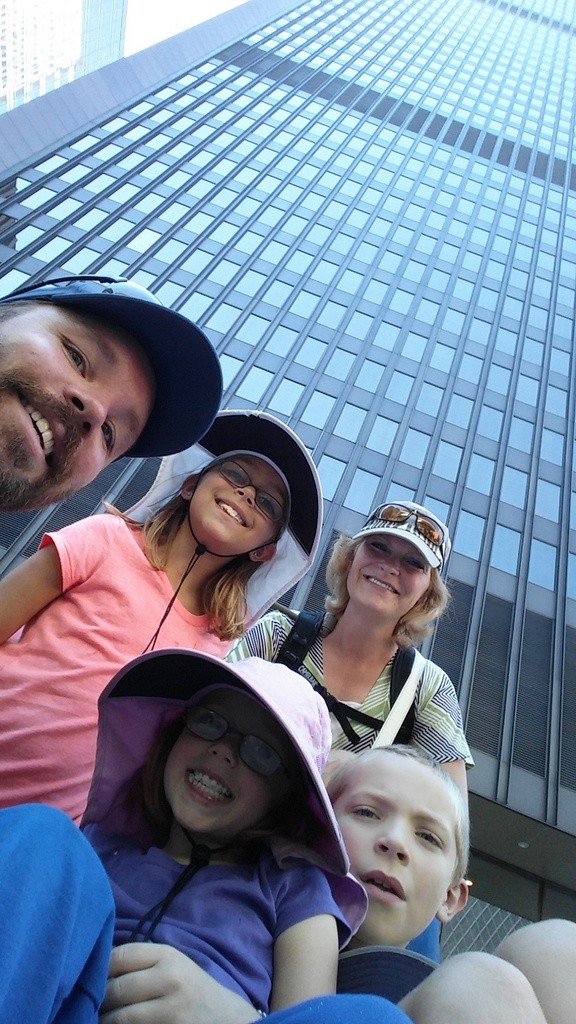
[150, 21]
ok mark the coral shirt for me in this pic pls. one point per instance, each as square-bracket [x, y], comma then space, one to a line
[52, 676]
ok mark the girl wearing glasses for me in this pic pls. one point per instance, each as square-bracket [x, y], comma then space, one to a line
[226, 528]
[208, 812]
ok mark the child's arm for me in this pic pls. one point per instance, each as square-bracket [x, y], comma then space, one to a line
[28, 589]
[305, 961]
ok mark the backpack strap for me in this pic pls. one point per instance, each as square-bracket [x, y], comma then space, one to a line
[401, 668]
[304, 632]
[300, 639]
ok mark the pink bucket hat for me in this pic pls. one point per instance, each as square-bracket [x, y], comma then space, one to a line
[156, 688]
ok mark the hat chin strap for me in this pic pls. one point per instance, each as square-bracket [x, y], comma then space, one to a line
[200, 856]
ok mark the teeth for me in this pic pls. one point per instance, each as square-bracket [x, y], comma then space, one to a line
[43, 428]
[380, 583]
[209, 786]
[231, 512]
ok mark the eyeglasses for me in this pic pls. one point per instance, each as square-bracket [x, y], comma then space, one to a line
[425, 526]
[255, 753]
[238, 477]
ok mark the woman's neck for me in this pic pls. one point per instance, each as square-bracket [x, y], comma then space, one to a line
[355, 655]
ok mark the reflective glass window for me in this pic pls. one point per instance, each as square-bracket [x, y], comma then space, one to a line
[382, 435]
[527, 390]
[505, 549]
[230, 368]
[447, 461]
[349, 423]
[552, 447]
[548, 500]
[255, 384]
[340, 364]
[480, 474]
[542, 565]
[360, 496]
[415, 448]
[469, 534]
[282, 341]
[442, 357]
[490, 422]
[311, 352]
[285, 397]
[513, 487]
[369, 376]
[318, 410]
[556, 400]
[330, 471]
[400, 387]
[460, 411]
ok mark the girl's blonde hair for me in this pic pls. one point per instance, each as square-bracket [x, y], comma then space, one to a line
[224, 594]
[413, 627]
[337, 782]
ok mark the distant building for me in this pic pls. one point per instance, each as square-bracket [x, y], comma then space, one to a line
[370, 205]
[46, 43]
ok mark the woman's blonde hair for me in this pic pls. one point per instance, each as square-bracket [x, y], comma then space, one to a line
[413, 627]
[224, 594]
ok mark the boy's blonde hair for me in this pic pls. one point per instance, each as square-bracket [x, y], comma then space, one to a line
[224, 595]
[336, 786]
[413, 627]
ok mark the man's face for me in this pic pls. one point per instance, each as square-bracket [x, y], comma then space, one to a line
[75, 394]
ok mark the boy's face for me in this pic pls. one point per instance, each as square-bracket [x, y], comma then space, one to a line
[398, 821]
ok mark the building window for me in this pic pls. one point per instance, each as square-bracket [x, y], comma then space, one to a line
[360, 496]
[469, 534]
[505, 549]
[542, 567]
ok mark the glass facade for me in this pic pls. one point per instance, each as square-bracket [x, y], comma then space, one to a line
[370, 206]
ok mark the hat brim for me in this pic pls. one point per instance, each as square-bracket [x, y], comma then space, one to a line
[382, 971]
[185, 365]
[165, 683]
[409, 535]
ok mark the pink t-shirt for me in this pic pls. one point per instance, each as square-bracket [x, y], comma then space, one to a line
[52, 676]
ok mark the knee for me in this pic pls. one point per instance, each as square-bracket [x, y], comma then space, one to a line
[473, 979]
[554, 937]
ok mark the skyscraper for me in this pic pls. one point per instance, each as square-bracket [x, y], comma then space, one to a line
[370, 206]
[46, 43]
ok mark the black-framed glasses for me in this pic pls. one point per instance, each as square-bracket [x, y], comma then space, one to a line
[425, 526]
[256, 754]
[236, 475]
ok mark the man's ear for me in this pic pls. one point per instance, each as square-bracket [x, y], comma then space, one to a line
[455, 900]
[263, 554]
[187, 489]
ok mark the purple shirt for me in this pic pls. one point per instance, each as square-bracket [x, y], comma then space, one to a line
[226, 918]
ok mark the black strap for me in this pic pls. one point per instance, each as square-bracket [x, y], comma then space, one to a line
[306, 628]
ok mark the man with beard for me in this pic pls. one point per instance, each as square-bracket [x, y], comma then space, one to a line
[93, 368]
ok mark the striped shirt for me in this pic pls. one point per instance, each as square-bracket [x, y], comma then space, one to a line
[438, 722]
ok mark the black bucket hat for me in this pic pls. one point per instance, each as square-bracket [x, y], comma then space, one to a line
[185, 365]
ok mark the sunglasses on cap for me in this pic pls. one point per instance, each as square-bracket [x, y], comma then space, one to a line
[238, 477]
[256, 754]
[424, 525]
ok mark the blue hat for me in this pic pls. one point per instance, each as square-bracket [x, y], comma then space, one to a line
[186, 368]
